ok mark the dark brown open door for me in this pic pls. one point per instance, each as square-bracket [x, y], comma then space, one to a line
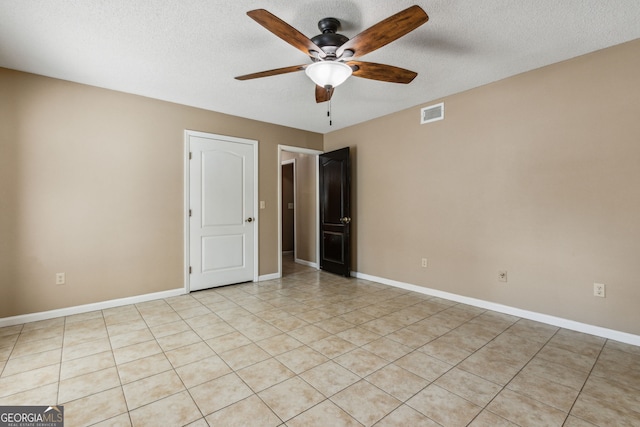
[335, 212]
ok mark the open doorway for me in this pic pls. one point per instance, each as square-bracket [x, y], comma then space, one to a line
[297, 210]
[288, 203]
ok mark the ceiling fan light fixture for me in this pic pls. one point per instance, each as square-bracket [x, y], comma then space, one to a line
[328, 73]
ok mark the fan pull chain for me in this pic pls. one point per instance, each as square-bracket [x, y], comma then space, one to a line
[329, 114]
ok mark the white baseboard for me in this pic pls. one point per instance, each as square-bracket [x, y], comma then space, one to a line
[305, 262]
[525, 314]
[79, 309]
[272, 276]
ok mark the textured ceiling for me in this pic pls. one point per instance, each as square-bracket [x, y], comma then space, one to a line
[188, 51]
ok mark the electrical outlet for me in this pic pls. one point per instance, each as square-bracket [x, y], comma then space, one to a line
[502, 275]
[60, 278]
[599, 290]
[424, 262]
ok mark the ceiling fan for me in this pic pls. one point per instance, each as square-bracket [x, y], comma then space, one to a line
[334, 56]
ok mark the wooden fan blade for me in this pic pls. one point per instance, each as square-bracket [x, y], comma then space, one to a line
[322, 94]
[384, 32]
[286, 32]
[275, 72]
[382, 72]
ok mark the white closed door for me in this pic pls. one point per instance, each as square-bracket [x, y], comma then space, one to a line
[222, 226]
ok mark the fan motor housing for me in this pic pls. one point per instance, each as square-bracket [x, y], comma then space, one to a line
[329, 41]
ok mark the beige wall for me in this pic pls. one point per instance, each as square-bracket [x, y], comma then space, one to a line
[306, 218]
[538, 174]
[91, 184]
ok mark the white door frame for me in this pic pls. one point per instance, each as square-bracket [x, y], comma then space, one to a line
[310, 152]
[187, 255]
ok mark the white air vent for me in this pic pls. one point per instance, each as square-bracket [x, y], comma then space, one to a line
[432, 113]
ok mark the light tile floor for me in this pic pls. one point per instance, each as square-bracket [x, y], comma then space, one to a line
[313, 349]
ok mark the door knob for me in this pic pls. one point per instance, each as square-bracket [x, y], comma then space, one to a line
[345, 220]
[249, 219]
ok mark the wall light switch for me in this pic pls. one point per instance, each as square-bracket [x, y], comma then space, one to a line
[262, 204]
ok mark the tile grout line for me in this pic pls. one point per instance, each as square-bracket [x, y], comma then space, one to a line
[504, 387]
[233, 371]
[586, 380]
[203, 417]
[362, 347]
[117, 373]
[124, 396]
[448, 370]
[297, 375]
[291, 291]
[64, 332]
[13, 347]
[255, 393]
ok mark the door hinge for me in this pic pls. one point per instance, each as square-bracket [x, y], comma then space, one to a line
[189, 269]
[190, 155]
[189, 212]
